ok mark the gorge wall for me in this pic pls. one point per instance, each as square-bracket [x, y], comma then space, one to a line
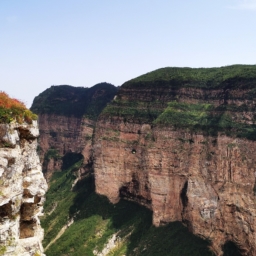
[22, 190]
[181, 142]
[67, 117]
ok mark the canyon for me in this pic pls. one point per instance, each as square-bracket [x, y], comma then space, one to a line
[184, 149]
[178, 141]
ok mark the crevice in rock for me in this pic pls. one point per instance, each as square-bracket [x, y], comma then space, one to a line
[184, 200]
[27, 228]
[27, 223]
[183, 195]
[131, 191]
[27, 211]
[25, 134]
[231, 249]
[37, 199]
[229, 171]
[27, 194]
[11, 161]
[6, 210]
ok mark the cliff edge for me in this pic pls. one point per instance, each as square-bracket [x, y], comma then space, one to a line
[22, 185]
[181, 141]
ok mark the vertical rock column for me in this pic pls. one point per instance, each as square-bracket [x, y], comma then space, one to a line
[22, 190]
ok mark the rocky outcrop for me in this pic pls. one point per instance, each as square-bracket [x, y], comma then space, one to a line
[22, 190]
[67, 117]
[185, 151]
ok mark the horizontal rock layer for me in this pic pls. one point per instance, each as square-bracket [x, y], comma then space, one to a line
[185, 151]
[63, 135]
[67, 117]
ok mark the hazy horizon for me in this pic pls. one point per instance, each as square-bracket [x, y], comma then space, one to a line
[82, 43]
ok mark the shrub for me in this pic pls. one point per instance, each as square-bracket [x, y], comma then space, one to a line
[14, 110]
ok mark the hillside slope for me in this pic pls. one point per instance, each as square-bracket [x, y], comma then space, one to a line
[80, 222]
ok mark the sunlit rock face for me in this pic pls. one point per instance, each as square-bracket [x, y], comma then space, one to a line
[22, 190]
[67, 117]
[183, 169]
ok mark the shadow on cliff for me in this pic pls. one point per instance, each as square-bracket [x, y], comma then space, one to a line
[96, 220]
[134, 224]
[231, 249]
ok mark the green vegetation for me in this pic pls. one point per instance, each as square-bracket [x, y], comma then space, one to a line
[74, 101]
[14, 110]
[157, 98]
[233, 76]
[186, 115]
[2, 249]
[52, 153]
[206, 118]
[96, 220]
[195, 117]
[134, 110]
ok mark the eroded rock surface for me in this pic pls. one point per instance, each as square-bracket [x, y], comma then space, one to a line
[67, 117]
[200, 174]
[64, 135]
[22, 190]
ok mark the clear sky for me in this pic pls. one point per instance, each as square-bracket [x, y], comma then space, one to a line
[84, 42]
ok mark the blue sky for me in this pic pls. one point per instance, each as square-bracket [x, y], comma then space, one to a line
[84, 42]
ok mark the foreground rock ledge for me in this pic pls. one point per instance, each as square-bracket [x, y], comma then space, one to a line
[22, 190]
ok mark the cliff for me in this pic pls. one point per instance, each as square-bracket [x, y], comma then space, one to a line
[67, 118]
[77, 221]
[73, 211]
[22, 189]
[181, 142]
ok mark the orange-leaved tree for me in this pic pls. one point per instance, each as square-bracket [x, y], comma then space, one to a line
[14, 110]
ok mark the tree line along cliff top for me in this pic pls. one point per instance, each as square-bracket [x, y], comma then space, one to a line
[216, 100]
[67, 100]
[198, 77]
[14, 110]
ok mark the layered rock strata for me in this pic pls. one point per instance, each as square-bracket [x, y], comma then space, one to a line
[62, 135]
[186, 152]
[22, 190]
[67, 117]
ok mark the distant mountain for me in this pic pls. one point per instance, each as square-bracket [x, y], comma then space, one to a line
[67, 100]
[67, 118]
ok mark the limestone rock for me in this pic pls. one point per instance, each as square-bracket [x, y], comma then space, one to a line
[22, 190]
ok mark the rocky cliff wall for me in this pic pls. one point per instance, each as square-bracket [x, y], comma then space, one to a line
[22, 190]
[67, 117]
[60, 135]
[186, 152]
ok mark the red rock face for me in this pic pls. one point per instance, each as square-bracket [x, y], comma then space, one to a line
[65, 122]
[207, 182]
[65, 135]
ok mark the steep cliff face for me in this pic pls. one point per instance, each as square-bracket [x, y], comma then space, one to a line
[67, 118]
[22, 190]
[182, 143]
